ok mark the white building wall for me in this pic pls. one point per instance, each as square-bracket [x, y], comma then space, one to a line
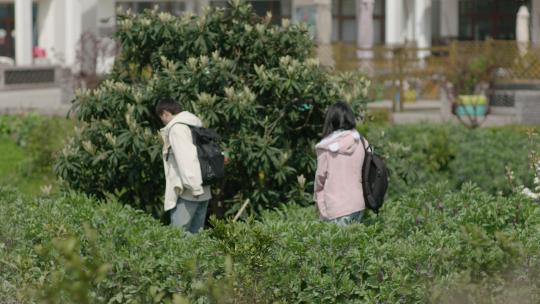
[409, 21]
[60, 27]
[406, 21]
[106, 16]
[422, 23]
[73, 17]
[90, 20]
[535, 21]
[408, 17]
[23, 32]
[450, 18]
[394, 27]
[50, 26]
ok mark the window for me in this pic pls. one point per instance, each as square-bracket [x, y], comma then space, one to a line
[7, 28]
[262, 7]
[344, 24]
[279, 9]
[379, 21]
[220, 3]
[481, 19]
[173, 7]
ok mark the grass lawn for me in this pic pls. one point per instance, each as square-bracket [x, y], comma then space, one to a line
[27, 145]
[14, 171]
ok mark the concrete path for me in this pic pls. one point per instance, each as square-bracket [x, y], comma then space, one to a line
[430, 111]
[44, 101]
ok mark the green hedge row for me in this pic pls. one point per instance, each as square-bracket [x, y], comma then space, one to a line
[424, 247]
[40, 136]
[429, 153]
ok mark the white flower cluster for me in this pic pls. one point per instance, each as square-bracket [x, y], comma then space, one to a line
[125, 25]
[165, 17]
[535, 193]
[242, 97]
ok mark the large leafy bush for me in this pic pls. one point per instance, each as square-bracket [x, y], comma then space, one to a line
[252, 81]
[421, 247]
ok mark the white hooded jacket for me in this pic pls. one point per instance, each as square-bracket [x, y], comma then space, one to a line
[182, 168]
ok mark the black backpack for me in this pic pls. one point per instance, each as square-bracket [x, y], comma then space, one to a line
[209, 153]
[374, 178]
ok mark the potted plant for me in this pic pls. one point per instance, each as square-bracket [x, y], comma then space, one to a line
[468, 77]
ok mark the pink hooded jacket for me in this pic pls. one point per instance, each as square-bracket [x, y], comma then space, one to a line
[338, 181]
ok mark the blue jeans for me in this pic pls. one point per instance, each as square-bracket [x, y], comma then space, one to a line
[189, 215]
[353, 218]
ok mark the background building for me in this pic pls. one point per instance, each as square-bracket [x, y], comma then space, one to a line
[41, 45]
[51, 29]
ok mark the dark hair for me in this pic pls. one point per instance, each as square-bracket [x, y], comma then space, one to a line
[169, 105]
[339, 116]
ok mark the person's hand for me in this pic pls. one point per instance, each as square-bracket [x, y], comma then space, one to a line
[226, 157]
[198, 192]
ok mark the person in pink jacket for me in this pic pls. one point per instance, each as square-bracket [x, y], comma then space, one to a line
[338, 180]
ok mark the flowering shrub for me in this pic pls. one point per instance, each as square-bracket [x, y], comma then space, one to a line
[253, 82]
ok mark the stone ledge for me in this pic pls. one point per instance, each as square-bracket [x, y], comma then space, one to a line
[43, 101]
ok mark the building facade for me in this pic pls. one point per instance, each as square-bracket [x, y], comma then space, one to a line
[48, 31]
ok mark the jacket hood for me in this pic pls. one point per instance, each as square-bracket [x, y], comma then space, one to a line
[341, 141]
[185, 118]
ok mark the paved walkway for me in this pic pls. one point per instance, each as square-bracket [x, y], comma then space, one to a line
[430, 111]
[44, 101]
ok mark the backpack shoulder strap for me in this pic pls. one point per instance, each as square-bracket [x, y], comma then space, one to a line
[169, 134]
[363, 141]
[181, 123]
[369, 148]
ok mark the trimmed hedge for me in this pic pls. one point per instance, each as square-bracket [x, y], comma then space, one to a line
[428, 153]
[74, 249]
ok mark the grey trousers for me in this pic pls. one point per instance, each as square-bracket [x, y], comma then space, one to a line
[189, 215]
[354, 218]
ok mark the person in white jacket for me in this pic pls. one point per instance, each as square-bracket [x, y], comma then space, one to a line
[185, 196]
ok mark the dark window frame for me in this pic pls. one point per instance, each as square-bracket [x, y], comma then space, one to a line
[492, 17]
[169, 6]
[273, 5]
[340, 17]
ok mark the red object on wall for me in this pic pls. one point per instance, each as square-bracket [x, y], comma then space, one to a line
[39, 52]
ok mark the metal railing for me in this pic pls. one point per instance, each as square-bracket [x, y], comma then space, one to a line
[400, 70]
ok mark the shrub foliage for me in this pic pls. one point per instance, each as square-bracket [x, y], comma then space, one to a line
[424, 153]
[252, 81]
[423, 248]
